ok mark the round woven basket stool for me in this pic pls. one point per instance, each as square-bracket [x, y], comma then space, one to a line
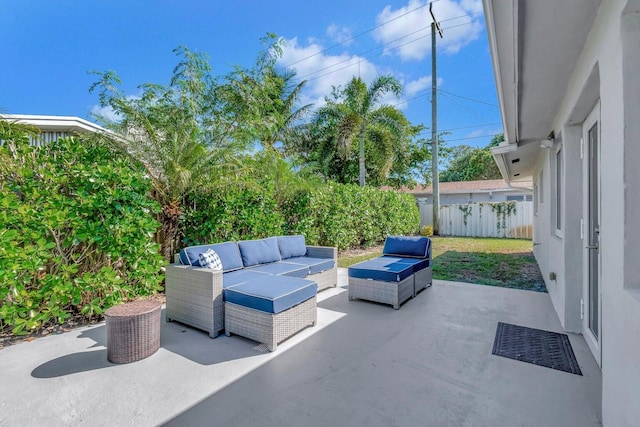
[133, 330]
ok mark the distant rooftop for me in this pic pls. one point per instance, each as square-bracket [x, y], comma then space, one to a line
[67, 124]
[489, 185]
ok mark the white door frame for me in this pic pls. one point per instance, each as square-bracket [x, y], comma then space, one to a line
[591, 241]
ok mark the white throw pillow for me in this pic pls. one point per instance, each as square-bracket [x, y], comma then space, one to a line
[210, 259]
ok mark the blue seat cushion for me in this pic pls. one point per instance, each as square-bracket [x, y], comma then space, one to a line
[260, 251]
[275, 296]
[228, 253]
[292, 246]
[417, 263]
[315, 265]
[283, 268]
[386, 269]
[407, 246]
[242, 276]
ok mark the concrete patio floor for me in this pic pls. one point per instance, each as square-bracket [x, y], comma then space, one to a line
[429, 363]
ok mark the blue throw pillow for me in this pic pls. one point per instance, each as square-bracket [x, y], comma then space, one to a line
[227, 252]
[292, 246]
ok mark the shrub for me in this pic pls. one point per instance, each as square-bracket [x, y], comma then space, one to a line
[238, 212]
[426, 230]
[76, 233]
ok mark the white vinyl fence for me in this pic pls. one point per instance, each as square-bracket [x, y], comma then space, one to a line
[499, 219]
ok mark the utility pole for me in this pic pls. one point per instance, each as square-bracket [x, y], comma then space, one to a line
[434, 125]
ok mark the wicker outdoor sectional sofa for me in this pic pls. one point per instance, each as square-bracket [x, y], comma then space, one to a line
[265, 291]
[403, 270]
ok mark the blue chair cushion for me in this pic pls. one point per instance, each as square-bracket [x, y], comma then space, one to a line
[283, 268]
[279, 294]
[407, 246]
[227, 252]
[237, 277]
[386, 269]
[315, 265]
[260, 251]
[292, 246]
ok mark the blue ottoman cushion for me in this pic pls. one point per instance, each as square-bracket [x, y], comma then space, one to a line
[283, 268]
[228, 253]
[242, 276]
[385, 269]
[275, 296]
[315, 265]
[407, 246]
[417, 263]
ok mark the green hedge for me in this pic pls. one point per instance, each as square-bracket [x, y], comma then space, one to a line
[339, 215]
[76, 233]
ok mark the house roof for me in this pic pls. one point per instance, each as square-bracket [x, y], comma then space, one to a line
[535, 46]
[55, 123]
[460, 187]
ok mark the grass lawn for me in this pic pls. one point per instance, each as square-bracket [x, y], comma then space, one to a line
[497, 262]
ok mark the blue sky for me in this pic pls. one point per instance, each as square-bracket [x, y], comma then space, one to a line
[48, 47]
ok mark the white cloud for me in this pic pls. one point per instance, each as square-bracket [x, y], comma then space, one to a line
[340, 34]
[413, 87]
[323, 71]
[408, 33]
[106, 112]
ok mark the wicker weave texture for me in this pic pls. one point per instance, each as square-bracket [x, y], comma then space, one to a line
[133, 330]
[423, 279]
[194, 297]
[394, 293]
[325, 279]
[268, 328]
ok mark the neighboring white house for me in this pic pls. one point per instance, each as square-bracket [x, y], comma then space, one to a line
[54, 127]
[568, 80]
[490, 190]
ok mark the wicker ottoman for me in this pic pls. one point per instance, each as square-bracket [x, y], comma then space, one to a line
[133, 330]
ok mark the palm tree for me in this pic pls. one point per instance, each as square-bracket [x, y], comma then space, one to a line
[356, 112]
[167, 132]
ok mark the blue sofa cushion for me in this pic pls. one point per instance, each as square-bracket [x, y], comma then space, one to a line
[292, 246]
[315, 265]
[237, 277]
[279, 294]
[283, 268]
[260, 251]
[386, 269]
[228, 253]
[407, 246]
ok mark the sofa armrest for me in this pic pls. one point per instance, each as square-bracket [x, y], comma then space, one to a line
[194, 297]
[322, 252]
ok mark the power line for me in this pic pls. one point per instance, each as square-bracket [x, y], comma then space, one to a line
[358, 35]
[467, 98]
[469, 15]
[308, 78]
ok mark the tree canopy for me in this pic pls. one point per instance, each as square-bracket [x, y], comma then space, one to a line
[471, 164]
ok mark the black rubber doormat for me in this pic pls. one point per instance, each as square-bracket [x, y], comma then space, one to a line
[542, 348]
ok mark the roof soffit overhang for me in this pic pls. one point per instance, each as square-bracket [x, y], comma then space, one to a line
[534, 47]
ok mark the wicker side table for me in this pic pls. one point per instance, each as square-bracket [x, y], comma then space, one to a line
[133, 330]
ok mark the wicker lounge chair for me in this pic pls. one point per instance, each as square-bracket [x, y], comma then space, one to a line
[398, 275]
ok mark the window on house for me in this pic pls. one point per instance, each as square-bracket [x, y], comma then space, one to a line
[535, 198]
[558, 185]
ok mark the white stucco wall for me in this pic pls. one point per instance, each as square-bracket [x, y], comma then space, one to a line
[619, 94]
